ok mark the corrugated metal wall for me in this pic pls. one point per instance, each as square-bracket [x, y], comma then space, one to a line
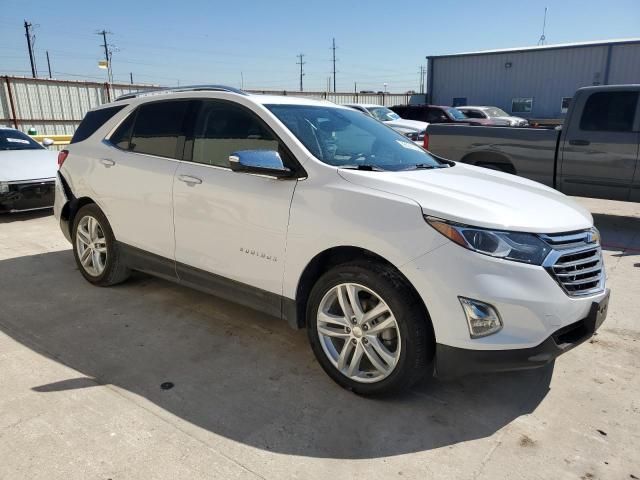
[545, 75]
[53, 107]
[56, 107]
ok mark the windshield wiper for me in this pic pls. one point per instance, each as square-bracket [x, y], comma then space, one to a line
[427, 166]
[365, 167]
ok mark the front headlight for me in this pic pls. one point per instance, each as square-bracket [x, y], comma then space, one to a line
[4, 187]
[516, 246]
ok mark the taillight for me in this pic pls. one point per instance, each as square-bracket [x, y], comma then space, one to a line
[62, 156]
[425, 141]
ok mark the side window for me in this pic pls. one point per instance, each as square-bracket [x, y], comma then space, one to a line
[609, 111]
[473, 113]
[121, 138]
[158, 128]
[92, 121]
[222, 128]
[435, 115]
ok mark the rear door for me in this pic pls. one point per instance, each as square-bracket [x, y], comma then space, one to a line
[135, 176]
[600, 148]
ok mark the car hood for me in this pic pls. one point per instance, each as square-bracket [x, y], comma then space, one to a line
[407, 125]
[481, 197]
[17, 165]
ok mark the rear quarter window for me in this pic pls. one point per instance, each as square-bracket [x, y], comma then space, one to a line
[609, 112]
[93, 121]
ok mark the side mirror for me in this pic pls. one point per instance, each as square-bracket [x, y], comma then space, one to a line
[259, 162]
[47, 142]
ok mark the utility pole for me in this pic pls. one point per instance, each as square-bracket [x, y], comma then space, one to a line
[355, 87]
[423, 72]
[334, 64]
[301, 63]
[543, 38]
[27, 30]
[131, 77]
[49, 64]
[107, 53]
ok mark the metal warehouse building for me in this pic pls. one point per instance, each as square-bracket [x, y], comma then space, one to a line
[531, 82]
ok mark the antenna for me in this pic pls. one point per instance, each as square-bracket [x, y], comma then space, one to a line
[544, 25]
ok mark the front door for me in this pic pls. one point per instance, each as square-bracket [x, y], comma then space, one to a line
[230, 225]
[600, 149]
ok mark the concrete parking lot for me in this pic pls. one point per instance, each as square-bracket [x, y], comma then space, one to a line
[81, 370]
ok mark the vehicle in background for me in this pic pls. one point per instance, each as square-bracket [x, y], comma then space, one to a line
[593, 154]
[436, 114]
[498, 116]
[409, 128]
[27, 172]
[399, 264]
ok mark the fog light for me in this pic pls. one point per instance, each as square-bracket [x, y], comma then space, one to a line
[482, 318]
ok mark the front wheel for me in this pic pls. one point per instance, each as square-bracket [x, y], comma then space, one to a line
[368, 329]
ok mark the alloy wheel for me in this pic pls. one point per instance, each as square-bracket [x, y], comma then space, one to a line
[358, 333]
[91, 245]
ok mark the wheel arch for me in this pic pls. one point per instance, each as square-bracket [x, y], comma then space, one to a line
[485, 158]
[333, 257]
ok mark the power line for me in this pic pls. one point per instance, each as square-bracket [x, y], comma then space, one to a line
[30, 39]
[301, 63]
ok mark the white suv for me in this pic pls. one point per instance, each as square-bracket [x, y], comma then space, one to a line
[398, 263]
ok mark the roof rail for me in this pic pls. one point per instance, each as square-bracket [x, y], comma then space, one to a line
[186, 88]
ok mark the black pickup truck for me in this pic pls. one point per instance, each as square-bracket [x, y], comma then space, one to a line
[593, 154]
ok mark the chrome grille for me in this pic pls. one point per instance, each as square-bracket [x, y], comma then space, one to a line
[575, 263]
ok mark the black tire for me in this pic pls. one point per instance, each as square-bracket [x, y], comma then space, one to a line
[416, 334]
[115, 271]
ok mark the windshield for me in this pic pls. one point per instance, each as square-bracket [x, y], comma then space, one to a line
[495, 112]
[383, 114]
[344, 137]
[15, 140]
[456, 114]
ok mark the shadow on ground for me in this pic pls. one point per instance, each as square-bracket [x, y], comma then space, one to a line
[235, 372]
[24, 216]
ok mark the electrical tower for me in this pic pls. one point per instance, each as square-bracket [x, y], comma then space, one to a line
[544, 25]
[334, 64]
[423, 72]
[301, 63]
[30, 44]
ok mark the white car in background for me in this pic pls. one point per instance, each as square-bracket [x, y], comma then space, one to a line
[27, 172]
[497, 116]
[409, 128]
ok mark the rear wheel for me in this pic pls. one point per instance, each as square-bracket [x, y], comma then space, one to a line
[368, 330]
[94, 248]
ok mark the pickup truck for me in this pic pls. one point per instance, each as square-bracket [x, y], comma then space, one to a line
[593, 154]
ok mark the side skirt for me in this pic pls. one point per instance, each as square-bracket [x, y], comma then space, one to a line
[222, 287]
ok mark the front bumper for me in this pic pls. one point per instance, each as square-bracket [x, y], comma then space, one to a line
[452, 362]
[28, 195]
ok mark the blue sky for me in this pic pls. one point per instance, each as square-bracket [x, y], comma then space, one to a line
[215, 42]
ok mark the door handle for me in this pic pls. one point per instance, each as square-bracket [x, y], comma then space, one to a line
[579, 142]
[189, 180]
[107, 162]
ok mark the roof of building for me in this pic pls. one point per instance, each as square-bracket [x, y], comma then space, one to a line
[596, 43]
